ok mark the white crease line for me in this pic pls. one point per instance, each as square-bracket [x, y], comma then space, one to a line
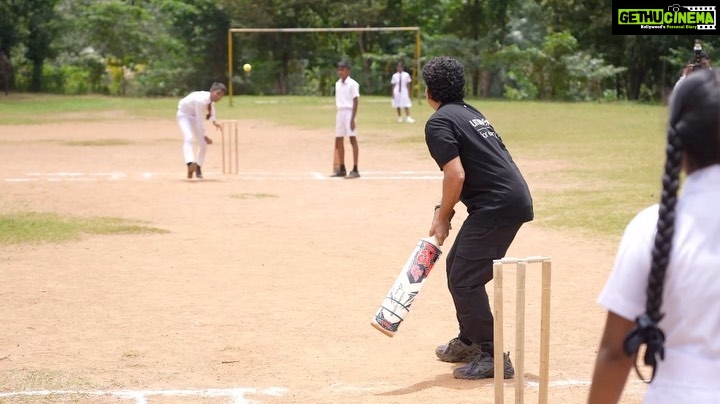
[59, 174]
[247, 176]
[361, 178]
[562, 383]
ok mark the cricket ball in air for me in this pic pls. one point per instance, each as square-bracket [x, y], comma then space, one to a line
[247, 67]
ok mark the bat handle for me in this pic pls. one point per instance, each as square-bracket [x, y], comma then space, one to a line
[432, 240]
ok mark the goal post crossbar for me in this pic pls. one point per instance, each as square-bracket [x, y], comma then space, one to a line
[358, 29]
[231, 31]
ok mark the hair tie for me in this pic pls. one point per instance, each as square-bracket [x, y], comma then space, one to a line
[646, 332]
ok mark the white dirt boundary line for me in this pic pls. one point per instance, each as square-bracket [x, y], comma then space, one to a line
[140, 396]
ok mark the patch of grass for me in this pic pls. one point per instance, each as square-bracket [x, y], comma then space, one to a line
[603, 161]
[593, 212]
[97, 142]
[36, 227]
[48, 379]
[247, 195]
[131, 354]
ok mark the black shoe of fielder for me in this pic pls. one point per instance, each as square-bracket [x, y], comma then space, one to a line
[482, 367]
[338, 173]
[198, 172]
[457, 351]
[191, 167]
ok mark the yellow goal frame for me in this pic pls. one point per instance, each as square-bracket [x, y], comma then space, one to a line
[231, 31]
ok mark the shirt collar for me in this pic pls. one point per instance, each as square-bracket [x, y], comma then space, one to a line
[704, 178]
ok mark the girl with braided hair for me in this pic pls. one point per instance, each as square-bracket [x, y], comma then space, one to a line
[664, 290]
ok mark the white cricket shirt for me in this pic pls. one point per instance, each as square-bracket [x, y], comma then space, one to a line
[345, 92]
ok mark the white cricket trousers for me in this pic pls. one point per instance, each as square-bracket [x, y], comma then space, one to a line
[189, 131]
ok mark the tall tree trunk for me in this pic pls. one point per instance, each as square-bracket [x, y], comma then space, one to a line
[5, 72]
[635, 77]
[36, 78]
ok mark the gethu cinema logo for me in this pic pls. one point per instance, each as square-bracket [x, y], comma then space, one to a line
[675, 14]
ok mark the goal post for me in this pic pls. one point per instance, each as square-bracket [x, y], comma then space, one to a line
[231, 31]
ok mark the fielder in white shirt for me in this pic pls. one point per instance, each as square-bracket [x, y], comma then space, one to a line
[347, 94]
[664, 290]
[193, 111]
[401, 90]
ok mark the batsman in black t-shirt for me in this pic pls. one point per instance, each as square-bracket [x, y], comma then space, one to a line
[479, 172]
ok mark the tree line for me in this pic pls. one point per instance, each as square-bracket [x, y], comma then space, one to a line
[515, 49]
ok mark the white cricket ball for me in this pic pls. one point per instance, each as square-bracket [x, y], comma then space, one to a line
[247, 67]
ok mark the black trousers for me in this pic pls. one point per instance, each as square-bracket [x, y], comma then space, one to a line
[469, 267]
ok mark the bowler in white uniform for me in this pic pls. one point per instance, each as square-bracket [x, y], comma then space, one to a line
[193, 111]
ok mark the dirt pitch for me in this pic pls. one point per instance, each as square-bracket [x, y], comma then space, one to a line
[264, 286]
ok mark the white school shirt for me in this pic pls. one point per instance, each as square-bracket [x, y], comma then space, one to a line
[346, 92]
[401, 94]
[195, 106]
[690, 372]
[400, 81]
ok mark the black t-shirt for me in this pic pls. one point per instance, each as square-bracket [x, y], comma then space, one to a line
[494, 186]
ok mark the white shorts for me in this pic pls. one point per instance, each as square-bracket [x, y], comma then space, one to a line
[342, 123]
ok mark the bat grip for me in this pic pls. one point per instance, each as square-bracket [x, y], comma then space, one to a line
[432, 240]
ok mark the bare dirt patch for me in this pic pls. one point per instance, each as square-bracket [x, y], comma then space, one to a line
[264, 286]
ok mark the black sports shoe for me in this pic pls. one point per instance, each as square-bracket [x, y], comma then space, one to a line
[338, 173]
[482, 367]
[198, 172]
[457, 351]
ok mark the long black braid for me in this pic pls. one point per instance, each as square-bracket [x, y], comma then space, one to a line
[694, 128]
[646, 330]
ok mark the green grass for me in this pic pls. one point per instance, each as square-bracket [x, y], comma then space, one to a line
[603, 161]
[24, 109]
[606, 160]
[37, 227]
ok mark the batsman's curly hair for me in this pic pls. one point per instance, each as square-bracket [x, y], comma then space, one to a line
[445, 79]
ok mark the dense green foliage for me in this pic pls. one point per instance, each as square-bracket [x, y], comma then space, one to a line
[517, 49]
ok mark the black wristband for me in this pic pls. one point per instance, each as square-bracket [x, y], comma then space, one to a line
[437, 206]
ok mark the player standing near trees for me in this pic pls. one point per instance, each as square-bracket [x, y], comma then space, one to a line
[401, 88]
[347, 94]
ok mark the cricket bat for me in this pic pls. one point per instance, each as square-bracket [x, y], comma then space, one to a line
[397, 302]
